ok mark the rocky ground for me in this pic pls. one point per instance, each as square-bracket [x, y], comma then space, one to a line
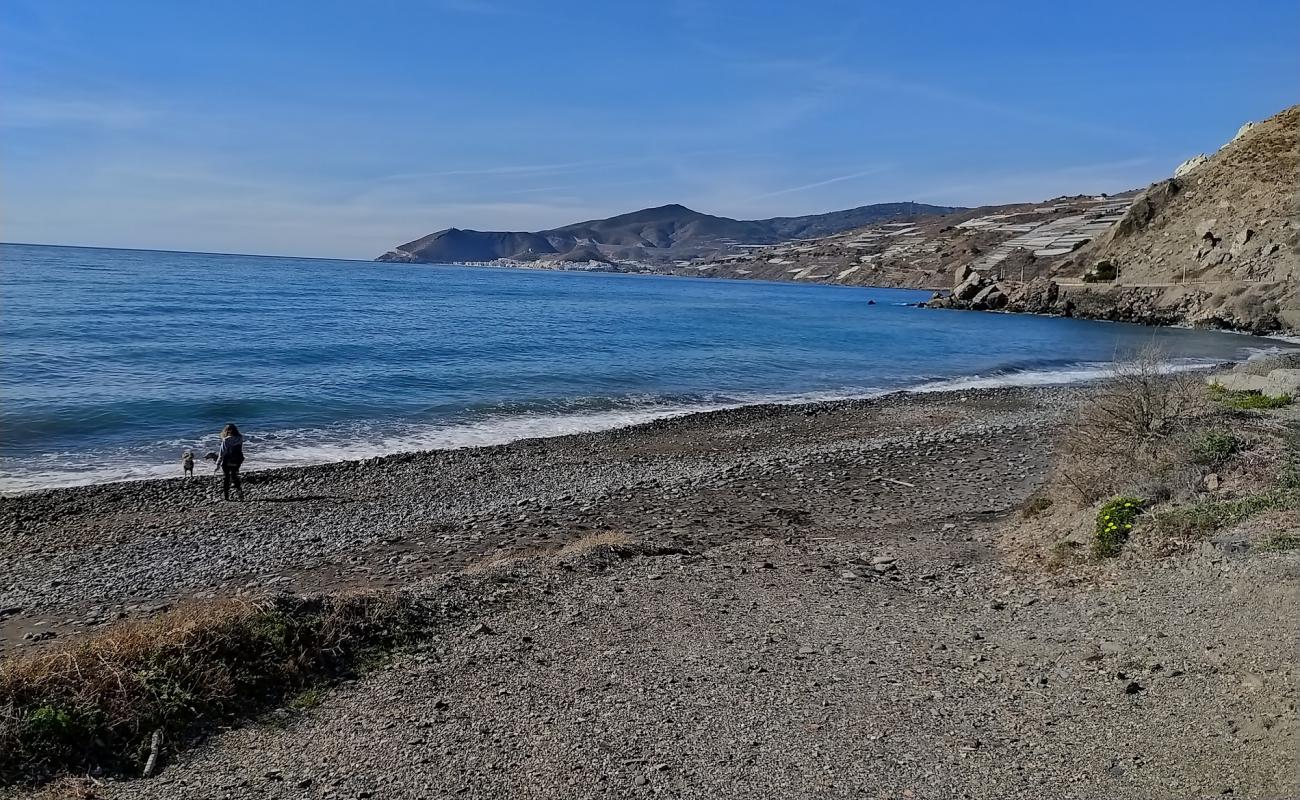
[820, 608]
[80, 558]
[768, 668]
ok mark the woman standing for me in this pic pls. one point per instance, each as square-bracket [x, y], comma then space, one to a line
[229, 459]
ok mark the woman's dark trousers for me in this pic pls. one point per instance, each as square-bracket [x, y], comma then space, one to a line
[229, 476]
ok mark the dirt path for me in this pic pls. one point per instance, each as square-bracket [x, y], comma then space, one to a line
[765, 669]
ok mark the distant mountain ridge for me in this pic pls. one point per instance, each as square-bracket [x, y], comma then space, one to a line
[651, 235]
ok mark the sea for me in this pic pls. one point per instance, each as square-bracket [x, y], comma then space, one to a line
[114, 362]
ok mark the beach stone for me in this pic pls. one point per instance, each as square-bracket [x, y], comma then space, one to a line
[1283, 382]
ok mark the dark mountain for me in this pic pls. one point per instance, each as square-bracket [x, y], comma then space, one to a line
[651, 235]
[817, 225]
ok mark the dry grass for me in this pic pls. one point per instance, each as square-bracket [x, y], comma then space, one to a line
[1198, 467]
[98, 702]
[68, 788]
[1177, 527]
[1130, 435]
[600, 542]
[594, 542]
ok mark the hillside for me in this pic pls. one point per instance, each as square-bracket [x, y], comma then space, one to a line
[1024, 240]
[1217, 245]
[1214, 246]
[649, 236]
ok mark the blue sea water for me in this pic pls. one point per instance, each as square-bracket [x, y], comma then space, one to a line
[114, 361]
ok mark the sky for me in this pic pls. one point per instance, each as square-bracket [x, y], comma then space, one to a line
[341, 129]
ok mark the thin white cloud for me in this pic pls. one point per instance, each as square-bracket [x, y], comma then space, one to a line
[827, 182]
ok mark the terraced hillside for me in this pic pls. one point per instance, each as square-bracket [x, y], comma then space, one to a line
[642, 239]
[1213, 246]
[1018, 241]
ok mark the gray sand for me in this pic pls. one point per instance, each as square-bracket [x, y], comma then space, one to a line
[772, 660]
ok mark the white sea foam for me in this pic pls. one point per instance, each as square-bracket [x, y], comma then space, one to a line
[306, 447]
[1078, 373]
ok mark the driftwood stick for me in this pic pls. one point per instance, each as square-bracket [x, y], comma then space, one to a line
[891, 480]
[900, 483]
[155, 745]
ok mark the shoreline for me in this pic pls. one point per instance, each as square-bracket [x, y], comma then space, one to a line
[1289, 336]
[83, 556]
[1070, 375]
[805, 585]
[703, 416]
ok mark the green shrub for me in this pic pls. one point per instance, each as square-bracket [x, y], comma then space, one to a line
[1205, 518]
[1214, 448]
[54, 726]
[1115, 522]
[1102, 271]
[1282, 541]
[308, 698]
[1247, 401]
[1250, 400]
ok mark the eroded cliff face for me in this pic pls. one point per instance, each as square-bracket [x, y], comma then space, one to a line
[1214, 247]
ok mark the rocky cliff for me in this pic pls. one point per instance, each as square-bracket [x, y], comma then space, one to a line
[1215, 246]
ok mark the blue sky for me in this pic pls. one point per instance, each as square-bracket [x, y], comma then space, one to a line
[342, 128]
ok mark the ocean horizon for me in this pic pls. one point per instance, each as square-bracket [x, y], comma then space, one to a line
[117, 361]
